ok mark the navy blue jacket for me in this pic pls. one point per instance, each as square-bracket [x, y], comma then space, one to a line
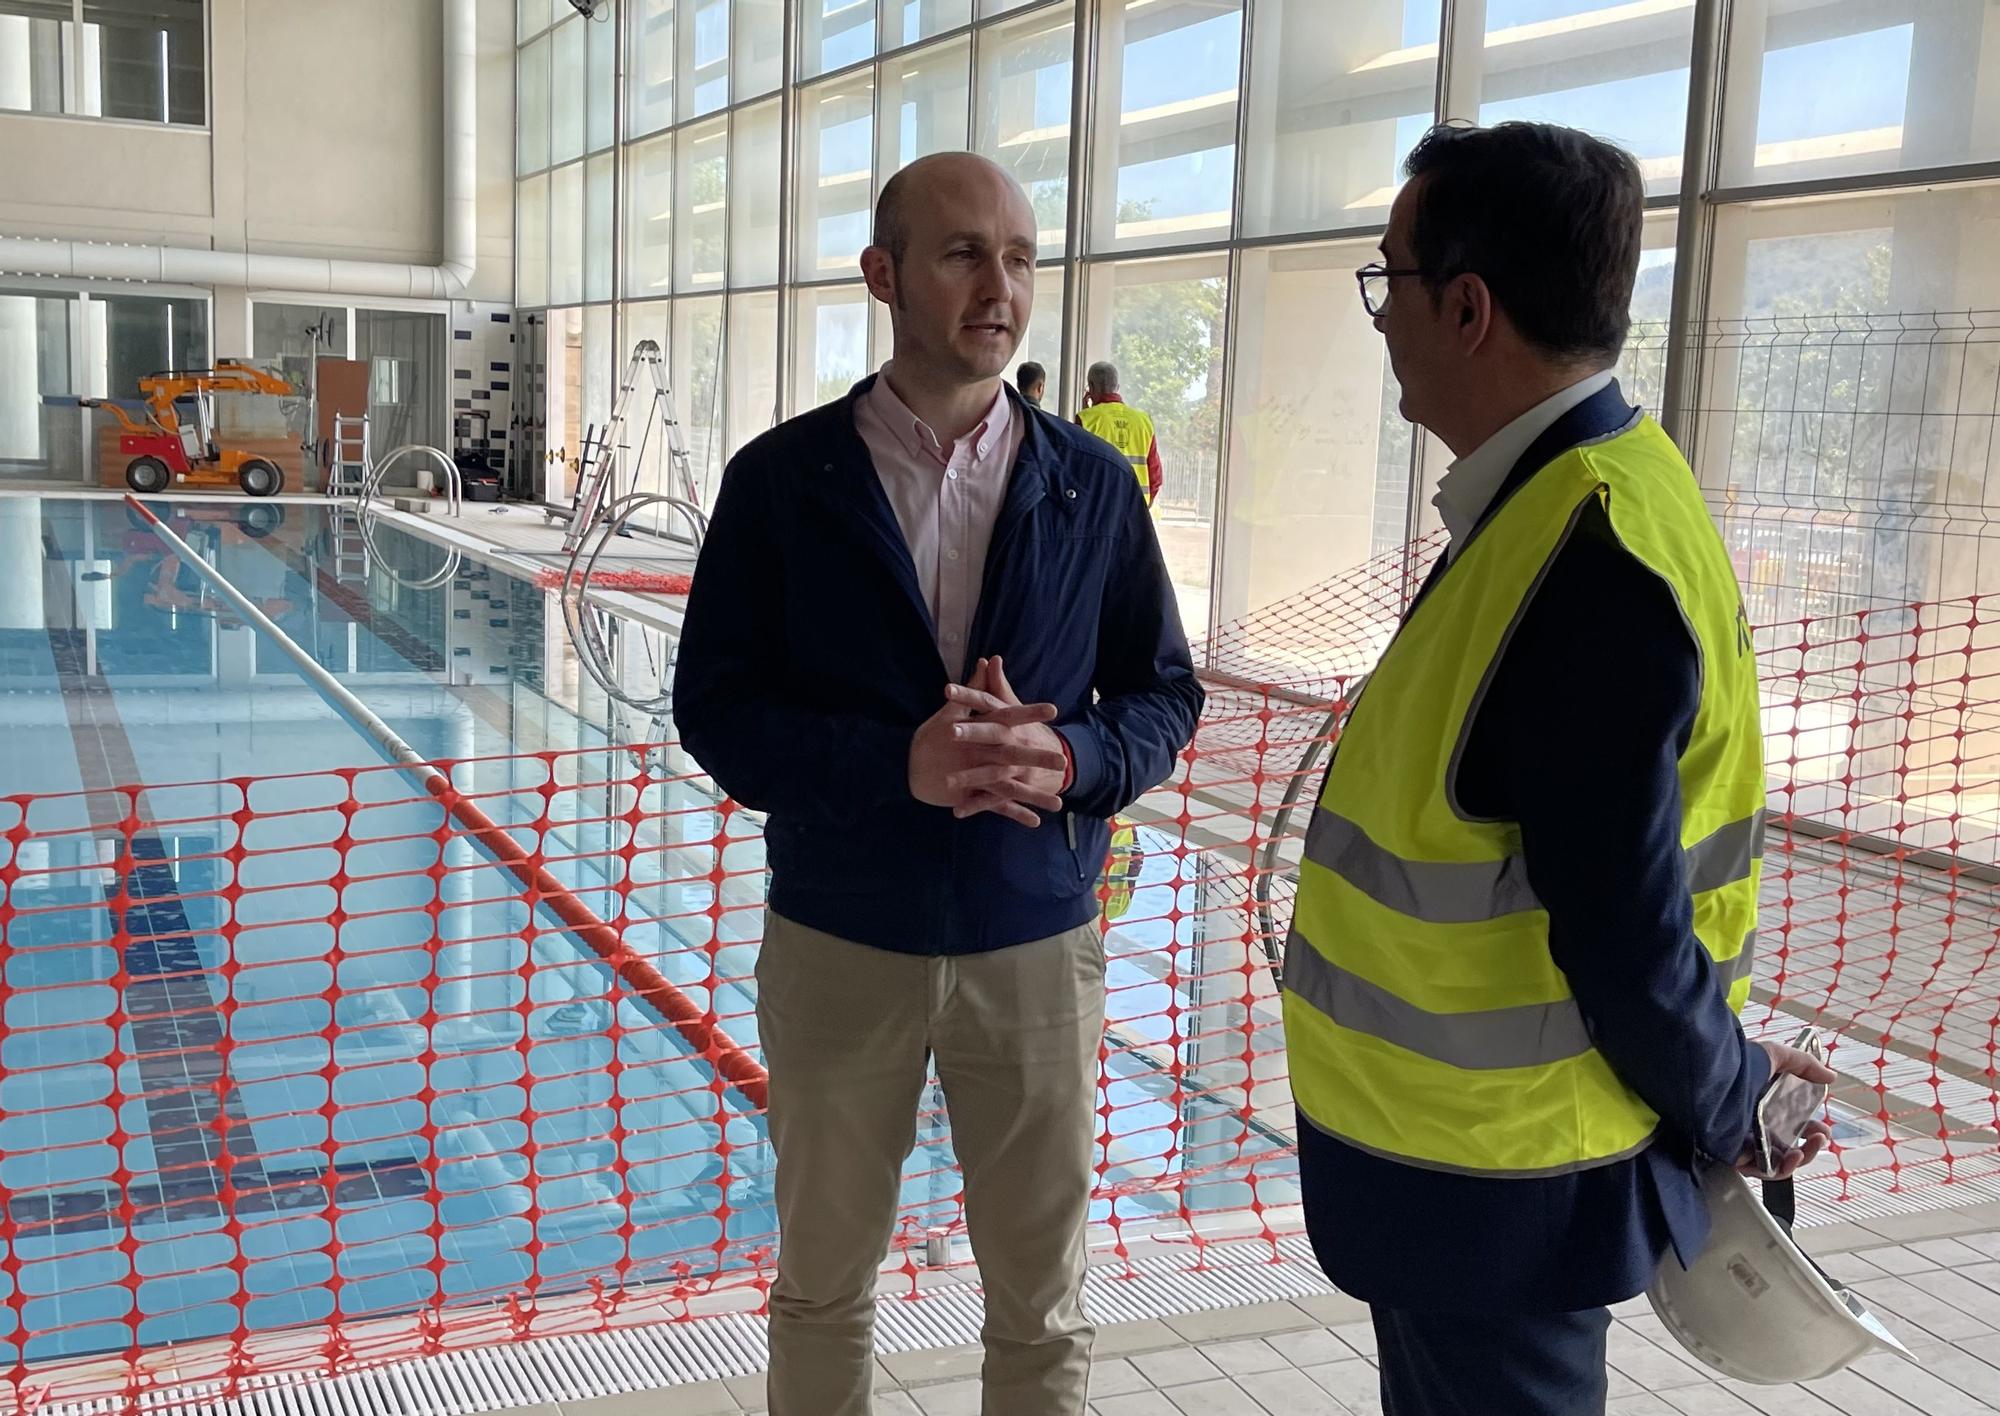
[1579, 740]
[808, 660]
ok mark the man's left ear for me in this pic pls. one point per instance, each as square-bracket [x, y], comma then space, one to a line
[1475, 310]
[879, 272]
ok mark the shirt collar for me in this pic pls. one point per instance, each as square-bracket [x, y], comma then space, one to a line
[917, 437]
[1469, 485]
[1107, 398]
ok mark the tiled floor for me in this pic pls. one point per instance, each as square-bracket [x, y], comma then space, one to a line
[1933, 1276]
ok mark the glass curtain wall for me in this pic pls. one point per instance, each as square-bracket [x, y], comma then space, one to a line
[1207, 174]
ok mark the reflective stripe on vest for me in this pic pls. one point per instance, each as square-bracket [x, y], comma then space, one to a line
[1426, 1019]
[1125, 428]
[1528, 1035]
[1455, 892]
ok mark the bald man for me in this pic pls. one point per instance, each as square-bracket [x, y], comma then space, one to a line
[932, 635]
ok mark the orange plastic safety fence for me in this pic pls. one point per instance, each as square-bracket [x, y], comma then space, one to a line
[316, 1072]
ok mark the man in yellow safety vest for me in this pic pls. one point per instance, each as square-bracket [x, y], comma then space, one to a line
[1527, 906]
[1126, 428]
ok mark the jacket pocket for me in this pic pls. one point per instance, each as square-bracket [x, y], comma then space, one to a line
[1089, 841]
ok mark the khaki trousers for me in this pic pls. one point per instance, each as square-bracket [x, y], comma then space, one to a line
[847, 1031]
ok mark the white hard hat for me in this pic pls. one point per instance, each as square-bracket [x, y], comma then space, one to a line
[1754, 1307]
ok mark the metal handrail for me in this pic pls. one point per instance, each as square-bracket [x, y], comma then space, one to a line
[583, 631]
[371, 485]
[453, 483]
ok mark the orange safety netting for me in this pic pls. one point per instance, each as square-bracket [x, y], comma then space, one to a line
[316, 1072]
[638, 582]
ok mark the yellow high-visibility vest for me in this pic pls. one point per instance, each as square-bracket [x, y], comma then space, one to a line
[1122, 865]
[1426, 1020]
[1128, 430]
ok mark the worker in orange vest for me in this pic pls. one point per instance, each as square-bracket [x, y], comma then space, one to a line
[1123, 426]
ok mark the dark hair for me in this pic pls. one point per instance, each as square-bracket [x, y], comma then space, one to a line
[1549, 217]
[1029, 374]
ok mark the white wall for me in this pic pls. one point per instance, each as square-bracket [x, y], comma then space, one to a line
[326, 139]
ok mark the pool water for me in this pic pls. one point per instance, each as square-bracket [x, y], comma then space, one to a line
[292, 1048]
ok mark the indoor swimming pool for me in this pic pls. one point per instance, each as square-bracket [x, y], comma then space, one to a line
[285, 1046]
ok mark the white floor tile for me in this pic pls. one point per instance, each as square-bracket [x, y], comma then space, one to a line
[1218, 1398]
[1177, 1366]
[1925, 1390]
[1975, 1300]
[1354, 1384]
[1898, 1259]
[1933, 1315]
[1239, 1359]
[1857, 1396]
[1951, 1253]
[1653, 1368]
[1971, 1374]
[1291, 1393]
[1707, 1399]
[1115, 1378]
[1310, 1348]
[1781, 1400]
[1142, 1403]
[948, 1399]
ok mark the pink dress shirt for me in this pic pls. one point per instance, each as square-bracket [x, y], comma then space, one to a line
[946, 498]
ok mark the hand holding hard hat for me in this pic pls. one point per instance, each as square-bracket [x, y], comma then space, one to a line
[1791, 1130]
[1754, 1306]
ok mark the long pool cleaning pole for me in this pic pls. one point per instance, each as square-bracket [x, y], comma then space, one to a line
[694, 1024]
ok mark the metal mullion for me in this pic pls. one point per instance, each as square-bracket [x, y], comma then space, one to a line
[1151, 253]
[1860, 184]
[874, 186]
[788, 117]
[76, 60]
[1694, 234]
[1082, 121]
[726, 110]
[1447, 51]
[1413, 515]
[831, 282]
[718, 433]
[626, 18]
[972, 52]
[208, 77]
[1461, 60]
[1231, 325]
[883, 56]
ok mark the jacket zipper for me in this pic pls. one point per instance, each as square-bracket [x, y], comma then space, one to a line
[1069, 830]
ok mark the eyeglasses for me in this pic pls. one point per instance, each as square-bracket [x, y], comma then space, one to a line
[1373, 279]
